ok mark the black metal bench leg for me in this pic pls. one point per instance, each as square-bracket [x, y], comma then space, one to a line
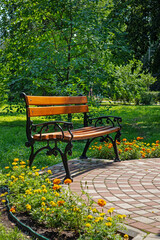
[68, 150]
[83, 156]
[117, 137]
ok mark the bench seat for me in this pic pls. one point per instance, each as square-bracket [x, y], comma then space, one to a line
[78, 134]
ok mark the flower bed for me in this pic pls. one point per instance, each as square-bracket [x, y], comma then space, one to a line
[48, 203]
[127, 150]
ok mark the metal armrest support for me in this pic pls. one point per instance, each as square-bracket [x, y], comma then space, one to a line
[109, 119]
[56, 124]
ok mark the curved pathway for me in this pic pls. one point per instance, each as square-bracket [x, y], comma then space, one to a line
[131, 187]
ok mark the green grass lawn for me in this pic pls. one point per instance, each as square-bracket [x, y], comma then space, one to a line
[141, 121]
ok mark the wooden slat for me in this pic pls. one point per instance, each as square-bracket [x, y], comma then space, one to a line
[78, 134]
[47, 111]
[55, 100]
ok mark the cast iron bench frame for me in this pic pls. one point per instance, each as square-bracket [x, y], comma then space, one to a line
[55, 105]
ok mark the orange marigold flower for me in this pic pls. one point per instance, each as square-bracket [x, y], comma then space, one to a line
[110, 145]
[56, 187]
[56, 181]
[12, 209]
[120, 150]
[124, 139]
[139, 138]
[100, 147]
[67, 181]
[143, 155]
[101, 202]
[157, 141]
[60, 203]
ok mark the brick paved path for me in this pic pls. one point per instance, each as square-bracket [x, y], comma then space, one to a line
[131, 187]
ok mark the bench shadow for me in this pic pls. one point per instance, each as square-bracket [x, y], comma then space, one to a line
[79, 167]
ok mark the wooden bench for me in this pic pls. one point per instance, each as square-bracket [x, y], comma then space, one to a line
[54, 131]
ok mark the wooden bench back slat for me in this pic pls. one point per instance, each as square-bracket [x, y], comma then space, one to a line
[47, 111]
[55, 100]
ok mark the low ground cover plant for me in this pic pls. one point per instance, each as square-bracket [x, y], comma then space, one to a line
[48, 201]
[128, 150]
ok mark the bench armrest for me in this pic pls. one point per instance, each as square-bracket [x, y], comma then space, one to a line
[55, 124]
[109, 119]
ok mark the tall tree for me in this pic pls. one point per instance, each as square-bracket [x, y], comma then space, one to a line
[59, 47]
[142, 29]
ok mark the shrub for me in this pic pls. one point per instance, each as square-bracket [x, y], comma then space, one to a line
[127, 150]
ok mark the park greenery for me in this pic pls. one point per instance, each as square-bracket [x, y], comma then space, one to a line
[69, 47]
[106, 49]
[55, 206]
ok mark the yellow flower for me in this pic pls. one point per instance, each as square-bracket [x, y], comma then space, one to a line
[94, 210]
[8, 174]
[14, 163]
[23, 163]
[47, 209]
[101, 202]
[48, 180]
[49, 172]
[42, 209]
[15, 167]
[67, 181]
[109, 219]
[102, 214]
[43, 204]
[88, 225]
[97, 219]
[43, 198]
[3, 201]
[56, 194]
[16, 159]
[28, 206]
[126, 237]
[43, 186]
[89, 216]
[28, 191]
[53, 204]
[111, 210]
[7, 167]
[76, 209]
[44, 190]
[37, 174]
[108, 224]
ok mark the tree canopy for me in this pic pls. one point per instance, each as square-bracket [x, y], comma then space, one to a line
[66, 47]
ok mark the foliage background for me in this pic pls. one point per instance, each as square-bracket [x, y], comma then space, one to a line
[68, 47]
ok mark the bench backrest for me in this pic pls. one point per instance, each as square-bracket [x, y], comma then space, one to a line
[54, 105]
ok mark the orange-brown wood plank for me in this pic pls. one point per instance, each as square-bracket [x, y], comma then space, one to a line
[77, 135]
[47, 111]
[55, 100]
[96, 133]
